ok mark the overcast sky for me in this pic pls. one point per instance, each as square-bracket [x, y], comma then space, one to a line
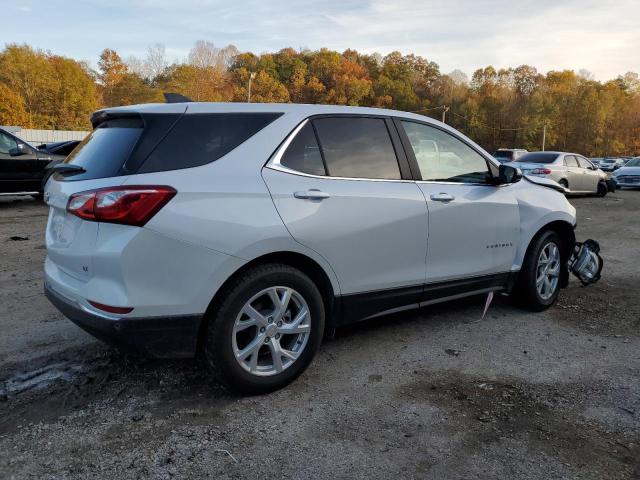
[597, 35]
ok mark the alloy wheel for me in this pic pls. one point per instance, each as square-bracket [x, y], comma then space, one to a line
[271, 331]
[548, 271]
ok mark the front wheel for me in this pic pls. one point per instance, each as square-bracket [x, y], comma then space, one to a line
[265, 330]
[539, 280]
[603, 189]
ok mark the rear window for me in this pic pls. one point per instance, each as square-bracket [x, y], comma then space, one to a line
[198, 139]
[503, 154]
[103, 152]
[570, 161]
[538, 157]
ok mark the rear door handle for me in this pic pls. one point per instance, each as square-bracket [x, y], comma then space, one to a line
[442, 197]
[312, 194]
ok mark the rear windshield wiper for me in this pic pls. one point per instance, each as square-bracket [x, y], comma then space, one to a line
[64, 168]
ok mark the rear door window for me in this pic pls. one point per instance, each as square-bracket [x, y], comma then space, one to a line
[303, 153]
[570, 161]
[357, 147]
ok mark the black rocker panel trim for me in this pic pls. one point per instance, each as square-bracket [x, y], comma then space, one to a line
[360, 306]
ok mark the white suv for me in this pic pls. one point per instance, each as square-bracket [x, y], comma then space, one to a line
[247, 231]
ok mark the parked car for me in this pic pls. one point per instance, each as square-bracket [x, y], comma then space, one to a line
[60, 148]
[504, 155]
[609, 164]
[22, 166]
[247, 231]
[629, 175]
[570, 170]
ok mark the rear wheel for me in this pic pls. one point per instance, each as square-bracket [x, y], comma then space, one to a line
[539, 280]
[564, 183]
[266, 329]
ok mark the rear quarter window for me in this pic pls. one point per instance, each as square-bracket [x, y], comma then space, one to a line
[538, 157]
[160, 142]
[198, 139]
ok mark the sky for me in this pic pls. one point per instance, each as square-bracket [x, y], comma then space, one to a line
[602, 36]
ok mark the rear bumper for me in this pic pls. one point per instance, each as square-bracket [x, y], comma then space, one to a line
[160, 337]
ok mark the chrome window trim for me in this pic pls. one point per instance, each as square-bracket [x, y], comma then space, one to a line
[275, 163]
[284, 169]
[476, 184]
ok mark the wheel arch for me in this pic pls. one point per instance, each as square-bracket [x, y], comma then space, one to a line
[297, 260]
[566, 232]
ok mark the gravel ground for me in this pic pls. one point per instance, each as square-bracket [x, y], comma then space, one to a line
[436, 393]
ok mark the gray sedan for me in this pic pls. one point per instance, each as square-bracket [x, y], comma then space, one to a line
[570, 170]
[629, 175]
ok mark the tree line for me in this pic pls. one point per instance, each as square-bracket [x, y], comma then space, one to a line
[495, 107]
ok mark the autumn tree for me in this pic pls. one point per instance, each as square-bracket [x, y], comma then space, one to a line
[74, 94]
[112, 68]
[201, 84]
[506, 107]
[29, 74]
[12, 108]
[264, 88]
[121, 87]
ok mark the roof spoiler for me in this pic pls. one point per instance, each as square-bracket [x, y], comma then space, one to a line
[175, 98]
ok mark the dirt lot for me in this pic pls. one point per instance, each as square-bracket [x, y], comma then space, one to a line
[430, 394]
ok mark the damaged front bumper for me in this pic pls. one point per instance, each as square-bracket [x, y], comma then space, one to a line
[586, 262]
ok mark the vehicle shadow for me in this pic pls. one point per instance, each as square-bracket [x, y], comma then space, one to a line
[75, 379]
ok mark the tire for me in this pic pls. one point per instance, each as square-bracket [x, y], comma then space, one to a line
[527, 290]
[258, 371]
[603, 189]
[564, 183]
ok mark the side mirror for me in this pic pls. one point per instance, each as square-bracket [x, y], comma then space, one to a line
[508, 174]
[20, 149]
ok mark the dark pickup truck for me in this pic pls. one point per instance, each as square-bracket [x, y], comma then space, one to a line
[23, 168]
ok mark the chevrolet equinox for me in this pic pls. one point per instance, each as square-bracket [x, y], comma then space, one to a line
[246, 231]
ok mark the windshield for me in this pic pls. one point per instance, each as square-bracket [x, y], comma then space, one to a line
[538, 157]
[634, 162]
[503, 154]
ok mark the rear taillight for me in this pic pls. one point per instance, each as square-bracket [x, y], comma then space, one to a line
[127, 205]
[541, 171]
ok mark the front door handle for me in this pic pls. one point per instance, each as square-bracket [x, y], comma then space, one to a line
[442, 197]
[313, 194]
